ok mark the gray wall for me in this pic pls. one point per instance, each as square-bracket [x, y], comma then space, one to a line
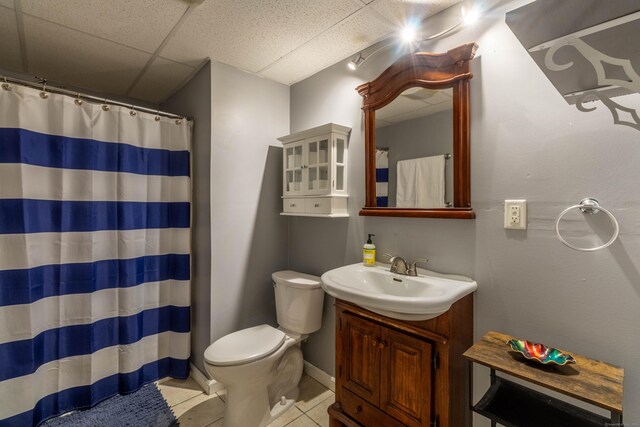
[190, 102]
[248, 235]
[239, 238]
[527, 142]
[431, 135]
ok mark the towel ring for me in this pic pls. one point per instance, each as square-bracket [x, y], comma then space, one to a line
[589, 206]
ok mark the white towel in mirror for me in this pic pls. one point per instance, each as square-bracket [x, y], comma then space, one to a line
[421, 183]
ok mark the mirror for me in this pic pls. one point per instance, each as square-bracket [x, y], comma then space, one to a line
[417, 148]
[414, 142]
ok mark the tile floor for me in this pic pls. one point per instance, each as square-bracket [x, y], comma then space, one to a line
[193, 408]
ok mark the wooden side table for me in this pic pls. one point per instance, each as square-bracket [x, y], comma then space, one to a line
[514, 405]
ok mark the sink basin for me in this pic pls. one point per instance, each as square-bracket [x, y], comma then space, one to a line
[394, 295]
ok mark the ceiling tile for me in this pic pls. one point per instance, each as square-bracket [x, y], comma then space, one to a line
[350, 36]
[7, 3]
[251, 34]
[397, 13]
[142, 24]
[78, 59]
[9, 43]
[371, 24]
[160, 80]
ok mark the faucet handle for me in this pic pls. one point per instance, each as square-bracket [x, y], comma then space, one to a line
[391, 257]
[413, 271]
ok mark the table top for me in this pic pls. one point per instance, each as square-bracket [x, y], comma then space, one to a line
[592, 381]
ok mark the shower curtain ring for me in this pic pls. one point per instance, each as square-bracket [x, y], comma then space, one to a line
[132, 112]
[157, 117]
[6, 85]
[78, 101]
[178, 121]
[105, 106]
[44, 94]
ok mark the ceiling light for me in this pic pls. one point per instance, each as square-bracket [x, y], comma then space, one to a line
[409, 33]
[355, 63]
[470, 16]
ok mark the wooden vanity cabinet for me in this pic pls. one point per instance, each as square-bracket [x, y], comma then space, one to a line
[393, 372]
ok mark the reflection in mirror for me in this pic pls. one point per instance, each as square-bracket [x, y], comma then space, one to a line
[414, 142]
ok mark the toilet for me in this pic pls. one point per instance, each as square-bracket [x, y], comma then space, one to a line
[262, 366]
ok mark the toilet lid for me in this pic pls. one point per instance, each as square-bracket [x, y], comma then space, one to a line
[244, 346]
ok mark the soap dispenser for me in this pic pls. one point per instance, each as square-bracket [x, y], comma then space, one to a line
[369, 253]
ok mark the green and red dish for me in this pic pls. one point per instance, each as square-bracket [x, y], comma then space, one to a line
[540, 352]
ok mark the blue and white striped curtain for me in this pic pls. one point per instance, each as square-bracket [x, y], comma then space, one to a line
[382, 178]
[94, 253]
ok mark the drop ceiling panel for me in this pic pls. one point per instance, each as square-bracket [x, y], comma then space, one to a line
[397, 13]
[160, 80]
[142, 24]
[78, 59]
[371, 24]
[9, 43]
[350, 36]
[399, 106]
[251, 34]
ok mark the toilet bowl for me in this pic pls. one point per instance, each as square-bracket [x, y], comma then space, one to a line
[261, 366]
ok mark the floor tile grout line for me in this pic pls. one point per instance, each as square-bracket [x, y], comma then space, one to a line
[302, 413]
[184, 401]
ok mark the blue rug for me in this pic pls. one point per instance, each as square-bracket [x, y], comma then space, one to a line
[143, 408]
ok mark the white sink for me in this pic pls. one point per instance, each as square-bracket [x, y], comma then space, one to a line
[394, 295]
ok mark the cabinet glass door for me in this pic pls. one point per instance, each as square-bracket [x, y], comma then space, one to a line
[318, 165]
[293, 169]
[341, 164]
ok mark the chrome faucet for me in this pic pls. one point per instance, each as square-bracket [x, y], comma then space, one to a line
[400, 266]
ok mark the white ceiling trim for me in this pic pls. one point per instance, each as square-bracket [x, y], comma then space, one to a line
[21, 38]
[155, 54]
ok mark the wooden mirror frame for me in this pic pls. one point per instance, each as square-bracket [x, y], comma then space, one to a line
[431, 71]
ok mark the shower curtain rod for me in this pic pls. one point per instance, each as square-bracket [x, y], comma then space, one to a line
[42, 85]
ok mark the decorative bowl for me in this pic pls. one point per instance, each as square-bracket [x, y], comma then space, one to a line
[540, 352]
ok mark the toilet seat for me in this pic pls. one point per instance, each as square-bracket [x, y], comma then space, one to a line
[245, 346]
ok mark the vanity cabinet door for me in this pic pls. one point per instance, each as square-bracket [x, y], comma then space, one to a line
[406, 378]
[360, 365]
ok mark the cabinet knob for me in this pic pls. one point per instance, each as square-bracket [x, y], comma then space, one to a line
[317, 205]
[293, 205]
[358, 409]
[382, 344]
[375, 342]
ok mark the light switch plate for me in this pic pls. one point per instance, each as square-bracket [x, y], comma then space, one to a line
[515, 214]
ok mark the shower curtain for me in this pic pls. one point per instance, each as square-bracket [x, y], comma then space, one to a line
[94, 252]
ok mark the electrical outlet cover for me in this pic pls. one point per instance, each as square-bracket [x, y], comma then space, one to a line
[515, 214]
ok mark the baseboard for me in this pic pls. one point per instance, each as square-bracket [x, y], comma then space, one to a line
[209, 386]
[321, 376]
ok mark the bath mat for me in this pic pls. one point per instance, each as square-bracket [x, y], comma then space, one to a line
[143, 408]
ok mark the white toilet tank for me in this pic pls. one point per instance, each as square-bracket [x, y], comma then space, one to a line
[299, 301]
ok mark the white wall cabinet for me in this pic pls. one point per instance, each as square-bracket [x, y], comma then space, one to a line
[314, 181]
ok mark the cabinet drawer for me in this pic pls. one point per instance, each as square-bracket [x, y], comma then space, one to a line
[365, 413]
[318, 205]
[293, 205]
